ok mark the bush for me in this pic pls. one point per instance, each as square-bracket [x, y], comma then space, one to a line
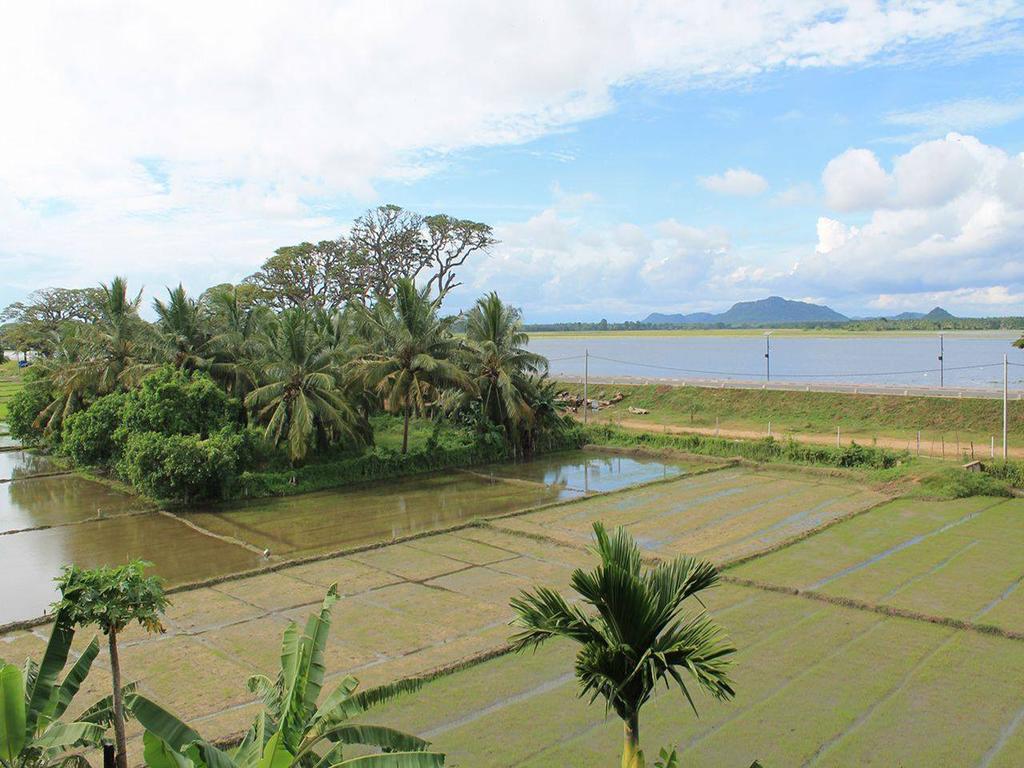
[1011, 472]
[958, 483]
[88, 436]
[186, 467]
[766, 450]
[24, 408]
[173, 402]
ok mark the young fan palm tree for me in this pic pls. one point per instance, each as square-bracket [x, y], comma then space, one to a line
[180, 326]
[300, 399]
[500, 365]
[637, 635]
[410, 353]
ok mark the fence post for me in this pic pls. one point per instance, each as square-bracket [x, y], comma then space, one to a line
[837, 437]
[919, 442]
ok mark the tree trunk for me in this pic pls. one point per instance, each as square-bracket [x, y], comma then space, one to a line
[405, 431]
[115, 673]
[632, 757]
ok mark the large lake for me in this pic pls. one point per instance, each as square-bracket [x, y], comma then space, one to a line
[971, 359]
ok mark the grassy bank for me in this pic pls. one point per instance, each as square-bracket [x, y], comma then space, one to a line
[859, 416]
[10, 382]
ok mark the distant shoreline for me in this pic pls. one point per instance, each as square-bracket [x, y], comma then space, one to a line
[1009, 334]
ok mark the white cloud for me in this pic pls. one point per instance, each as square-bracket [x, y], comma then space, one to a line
[557, 265]
[994, 300]
[950, 217]
[854, 180]
[736, 181]
[961, 115]
[198, 133]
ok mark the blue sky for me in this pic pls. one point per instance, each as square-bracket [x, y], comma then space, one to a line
[632, 157]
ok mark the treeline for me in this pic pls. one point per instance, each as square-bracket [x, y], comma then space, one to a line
[285, 369]
[878, 324]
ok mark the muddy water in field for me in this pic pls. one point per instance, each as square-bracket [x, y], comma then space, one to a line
[15, 464]
[31, 559]
[34, 502]
[587, 471]
[332, 520]
[86, 523]
[329, 520]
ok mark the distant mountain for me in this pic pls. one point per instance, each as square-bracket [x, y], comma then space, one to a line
[774, 309]
[938, 314]
[905, 316]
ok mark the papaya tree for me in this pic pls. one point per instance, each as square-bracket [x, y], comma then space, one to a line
[33, 700]
[294, 728]
[112, 598]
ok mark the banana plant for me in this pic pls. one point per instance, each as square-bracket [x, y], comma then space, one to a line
[32, 701]
[292, 730]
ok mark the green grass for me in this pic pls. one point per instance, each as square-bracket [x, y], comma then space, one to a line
[959, 560]
[807, 675]
[859, 416]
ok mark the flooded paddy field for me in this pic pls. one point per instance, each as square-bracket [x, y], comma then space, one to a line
[48, 520]
[818, 683]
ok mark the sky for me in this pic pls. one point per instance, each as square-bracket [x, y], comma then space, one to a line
[631, 156]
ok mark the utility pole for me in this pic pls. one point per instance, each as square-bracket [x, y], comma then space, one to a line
[586, 380]
[768, 356]
[942, 365]
[1005, 385]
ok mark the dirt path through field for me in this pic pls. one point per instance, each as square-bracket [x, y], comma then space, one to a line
[931, 448]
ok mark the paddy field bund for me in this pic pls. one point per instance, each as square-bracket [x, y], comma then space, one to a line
[870, 631]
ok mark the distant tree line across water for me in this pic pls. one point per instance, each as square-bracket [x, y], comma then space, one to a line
[876, 324]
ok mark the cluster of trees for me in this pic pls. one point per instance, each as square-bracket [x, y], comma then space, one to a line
[305, 350]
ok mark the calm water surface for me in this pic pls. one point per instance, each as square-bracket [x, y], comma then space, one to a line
[910, 360]
[92, 524]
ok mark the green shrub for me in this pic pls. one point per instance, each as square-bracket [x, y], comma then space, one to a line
[24, 408]
[766, 450]
[173, 402]
[186, 468]
[958, 483]
[1011, 472]
[88, 436]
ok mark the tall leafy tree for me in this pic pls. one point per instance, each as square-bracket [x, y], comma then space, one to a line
[121, 343]
[111, 599]
[390, 239]
[299, 398]
[637, 633]
[315, 276]
[410, 355]
[447, 244]
[501, 366]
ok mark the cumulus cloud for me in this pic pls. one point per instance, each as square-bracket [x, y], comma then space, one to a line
[854, 181]
[560, 265]
[736, 181]
[949, 217]
[152, 135]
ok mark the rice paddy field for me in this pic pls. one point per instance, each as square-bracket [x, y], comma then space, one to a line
[871, 630]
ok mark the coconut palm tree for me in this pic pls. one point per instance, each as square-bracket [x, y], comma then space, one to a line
[500, 366]
[180, 326]
[294, 729]
[637, 634]
[299, 397]
[237, 328]
[121, 342]
[409, 353]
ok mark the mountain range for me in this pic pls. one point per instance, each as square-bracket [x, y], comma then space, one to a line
[776, 309]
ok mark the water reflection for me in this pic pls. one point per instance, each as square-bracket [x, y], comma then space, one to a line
[587, 471]
[16, 464]
[39, 501]
[330, 520]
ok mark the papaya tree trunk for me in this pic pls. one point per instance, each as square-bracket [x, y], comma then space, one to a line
[632, 757]
[115, 674]
[405, 430]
